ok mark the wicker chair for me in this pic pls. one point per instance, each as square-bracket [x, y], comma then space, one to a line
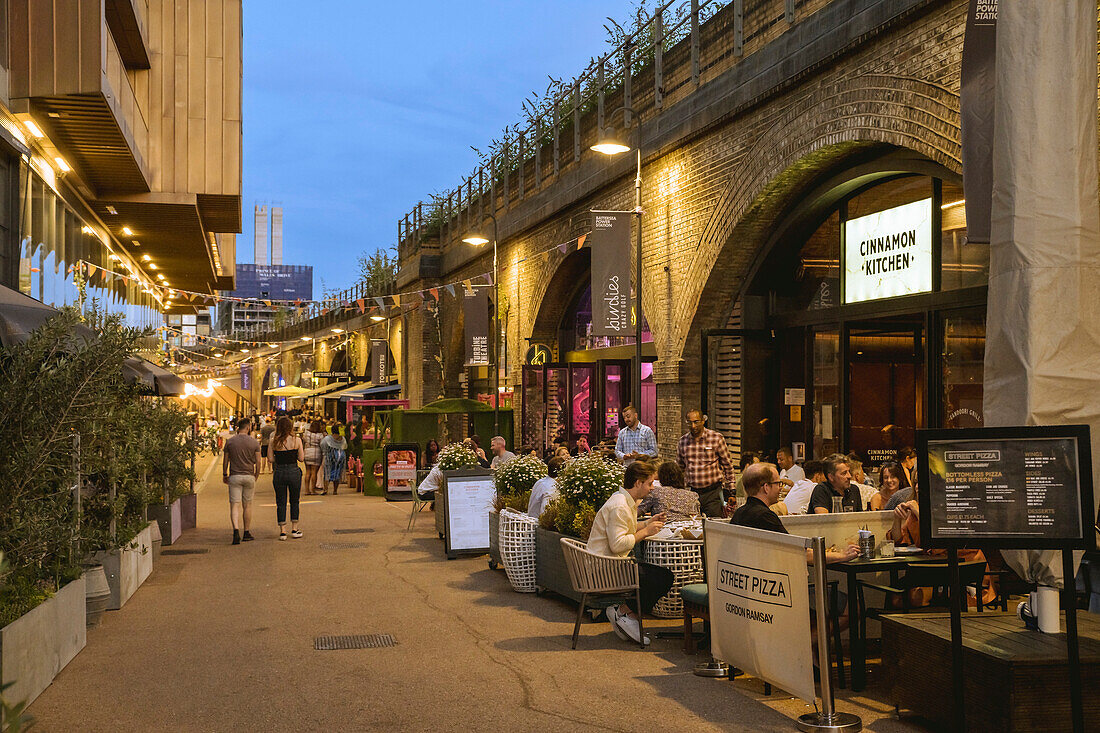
[600, 575]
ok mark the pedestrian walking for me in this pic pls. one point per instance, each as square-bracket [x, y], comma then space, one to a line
[266, 432]
[286, 452]
[703, 455]
[240, 469]
[311, 440]
[335, 451]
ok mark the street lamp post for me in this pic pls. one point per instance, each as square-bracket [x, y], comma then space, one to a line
[477, 240]
[610, 145]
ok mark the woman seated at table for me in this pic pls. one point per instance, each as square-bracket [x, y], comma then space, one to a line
[615, 532]
[889, 481]
[671, 497]
[906, 531]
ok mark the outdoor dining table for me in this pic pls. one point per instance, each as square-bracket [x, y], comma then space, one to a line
[853, 569]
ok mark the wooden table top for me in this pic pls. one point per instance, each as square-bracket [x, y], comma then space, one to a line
[1003, 637]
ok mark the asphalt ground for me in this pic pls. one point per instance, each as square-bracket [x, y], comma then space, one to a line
[223, 641]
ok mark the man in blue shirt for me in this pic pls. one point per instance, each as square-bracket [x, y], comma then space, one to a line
[636, 441]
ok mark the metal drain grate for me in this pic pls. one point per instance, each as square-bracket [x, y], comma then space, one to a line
[355, 641]
[342, 545]
[359, 530]
[196, 551]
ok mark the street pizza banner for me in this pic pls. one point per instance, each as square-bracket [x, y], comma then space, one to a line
[475, 312]
[758, 588]
[610, 242]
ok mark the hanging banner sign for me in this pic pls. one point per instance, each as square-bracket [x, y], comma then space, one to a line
[475, 310]
[611, 301]
[758, 591]
[380, 363]
[246, 378]
[976, 100]
[888, 253]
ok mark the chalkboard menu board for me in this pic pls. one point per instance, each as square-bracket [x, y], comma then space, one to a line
[469, 500]
[1022, 487]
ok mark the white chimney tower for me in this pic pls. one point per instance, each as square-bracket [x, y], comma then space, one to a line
[261, 235]
[276, 235]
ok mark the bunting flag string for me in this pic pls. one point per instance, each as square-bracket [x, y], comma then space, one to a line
[90, 270]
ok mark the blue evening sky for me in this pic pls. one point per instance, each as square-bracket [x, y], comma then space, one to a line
[354, 110]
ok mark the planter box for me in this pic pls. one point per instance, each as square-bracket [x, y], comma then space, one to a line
[170, 519]
[38, 645]
[440, 507]
[551, 572]
[189, 511]
[494, 541]
[127, 568]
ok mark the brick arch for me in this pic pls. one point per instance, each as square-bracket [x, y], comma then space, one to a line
[554, 292]
[814, 134]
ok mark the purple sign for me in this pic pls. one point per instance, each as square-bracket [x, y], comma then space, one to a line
[246, 377]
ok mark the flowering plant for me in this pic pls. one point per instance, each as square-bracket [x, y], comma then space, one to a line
[590, 478]
[584, 484]
[518, 475]
[456, 456]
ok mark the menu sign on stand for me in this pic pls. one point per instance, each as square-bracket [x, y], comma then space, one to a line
[470, 497]
[1023, 488]
[399, 469]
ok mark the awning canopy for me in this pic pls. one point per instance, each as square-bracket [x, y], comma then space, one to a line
[288, 391]
[151, 378]
[363, 390]
[20, 314]
[323, 390]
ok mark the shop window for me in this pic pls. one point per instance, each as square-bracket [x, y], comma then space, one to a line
[963, 361]
[965, 265]
[576, 326]
[817, 280]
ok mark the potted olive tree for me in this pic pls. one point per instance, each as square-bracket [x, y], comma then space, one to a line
[166, 448]
[584, 484]
[513, 481]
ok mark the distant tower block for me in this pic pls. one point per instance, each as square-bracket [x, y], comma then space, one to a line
[261, 236]
[276, 235]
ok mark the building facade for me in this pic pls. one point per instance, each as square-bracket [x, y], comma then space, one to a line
[263, 283]
[120, 148]
[782, 144]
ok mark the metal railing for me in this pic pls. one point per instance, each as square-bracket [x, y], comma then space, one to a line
[660, 62]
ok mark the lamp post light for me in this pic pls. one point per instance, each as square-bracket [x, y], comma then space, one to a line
[610, 145]
[477, 239]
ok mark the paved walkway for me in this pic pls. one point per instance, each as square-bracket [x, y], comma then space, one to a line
[223, 641]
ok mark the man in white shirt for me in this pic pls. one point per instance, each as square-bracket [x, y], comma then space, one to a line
[545, 489]
[790, 472]
[616, 530]
[798, 498]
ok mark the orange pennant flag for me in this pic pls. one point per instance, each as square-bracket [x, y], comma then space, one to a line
[580, 240]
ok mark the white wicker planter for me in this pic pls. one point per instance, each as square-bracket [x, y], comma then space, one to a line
[517, 549]
[685, 559]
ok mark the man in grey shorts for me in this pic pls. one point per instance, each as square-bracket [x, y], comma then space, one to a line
[240, 469]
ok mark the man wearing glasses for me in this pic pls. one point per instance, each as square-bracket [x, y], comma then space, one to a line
[703, 456]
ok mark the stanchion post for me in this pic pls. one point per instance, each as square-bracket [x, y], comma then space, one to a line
[828, 720]
[1069, 594]
[958, 684]
[193, 446]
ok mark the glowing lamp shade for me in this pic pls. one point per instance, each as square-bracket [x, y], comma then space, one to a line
[378, 319]
[306, 338]
[609, 145]
[476, 239]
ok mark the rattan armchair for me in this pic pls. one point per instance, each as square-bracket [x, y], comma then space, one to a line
[600, 575]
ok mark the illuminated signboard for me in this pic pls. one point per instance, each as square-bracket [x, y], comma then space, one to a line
[888, 253]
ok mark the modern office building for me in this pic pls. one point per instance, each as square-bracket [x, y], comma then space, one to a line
[120, 147]
[259, 283]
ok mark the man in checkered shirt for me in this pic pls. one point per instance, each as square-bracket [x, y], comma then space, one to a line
[703, 455]
[636, 441]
